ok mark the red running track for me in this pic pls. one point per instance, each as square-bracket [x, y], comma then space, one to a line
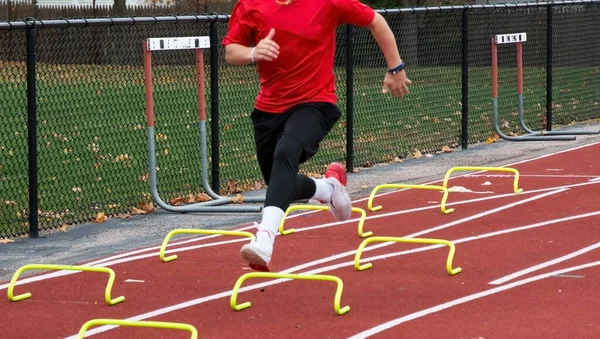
[407, 292]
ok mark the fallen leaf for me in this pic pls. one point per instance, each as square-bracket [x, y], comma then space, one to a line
[178, 201]
[364, 186]
[233, 187]
[6, 241]
[314, 175]
[397, 159]
[355, 170]
[417, 154]
[544, 122]
[489, 140]
[238, 199]
[63, 228]
[446, 149]
[135, 211]
[190, 198]
[100, 217]
[122, 216]
[148, 207]
[258, 185]
[203, 197]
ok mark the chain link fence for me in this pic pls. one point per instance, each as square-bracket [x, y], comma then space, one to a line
[576, 63]
[387, 128]
[91, 126]
[13, 135]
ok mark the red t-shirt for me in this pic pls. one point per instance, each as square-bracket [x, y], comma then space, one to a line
[305, 32]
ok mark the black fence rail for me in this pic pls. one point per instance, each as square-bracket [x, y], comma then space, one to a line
[73, 138]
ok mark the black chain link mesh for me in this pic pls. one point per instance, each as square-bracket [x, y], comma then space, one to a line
[483, 26]
[92, 137]
[429, 117]
[238, 87]
[13, 135]
[93, 148]
[576, 64]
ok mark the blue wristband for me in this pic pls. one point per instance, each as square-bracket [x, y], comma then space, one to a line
[397, 69]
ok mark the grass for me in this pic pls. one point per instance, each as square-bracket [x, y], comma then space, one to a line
[92, 142]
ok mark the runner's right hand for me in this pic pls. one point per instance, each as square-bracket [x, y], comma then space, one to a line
[266, 49]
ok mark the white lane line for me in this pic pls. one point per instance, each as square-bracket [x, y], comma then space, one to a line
[545, 264]
[459, 301]
[313, 263]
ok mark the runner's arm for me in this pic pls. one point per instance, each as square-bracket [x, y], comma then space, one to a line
[237, 54]
[387, 41]
[239, 36]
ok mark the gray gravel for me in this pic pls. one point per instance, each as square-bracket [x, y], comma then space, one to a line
[89, 241]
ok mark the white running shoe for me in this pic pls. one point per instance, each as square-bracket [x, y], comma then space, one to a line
[341, 204]
[258, 252]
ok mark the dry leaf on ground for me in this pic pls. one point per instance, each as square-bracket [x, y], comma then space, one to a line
[100, 217]
[233, 186]
[238, 199]
[6, 241]
[147, 206]
[446, 149]
[203, 197]
[135, 211]
[177, 201]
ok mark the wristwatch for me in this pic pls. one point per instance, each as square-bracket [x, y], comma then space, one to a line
[397, 69]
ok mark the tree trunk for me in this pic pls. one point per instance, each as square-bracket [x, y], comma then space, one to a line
[119, 8]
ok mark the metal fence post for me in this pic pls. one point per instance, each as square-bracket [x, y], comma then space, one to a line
[214, 105]
[32, 132]
[465, 79]
[349, 98]
[549, 67]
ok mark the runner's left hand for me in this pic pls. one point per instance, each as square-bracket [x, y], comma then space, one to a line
[396, 84]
